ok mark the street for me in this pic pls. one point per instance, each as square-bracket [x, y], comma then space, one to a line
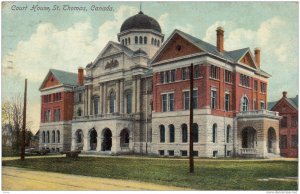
[16, 179]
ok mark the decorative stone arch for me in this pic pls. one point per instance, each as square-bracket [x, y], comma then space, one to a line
[124, 138]
[272, 140]
[249, 137]
[184, 133]
[58, 136]
[162, 133]
[43, 137]
[215, 133]
[244, 103]
[92, 139]
[195, 128]
[106, 139]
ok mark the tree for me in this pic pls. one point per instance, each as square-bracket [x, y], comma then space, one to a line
[12, 114]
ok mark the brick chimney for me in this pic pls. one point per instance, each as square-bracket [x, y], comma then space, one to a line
[80, 76]
[220, 39]
[257, 56]
[284, 94]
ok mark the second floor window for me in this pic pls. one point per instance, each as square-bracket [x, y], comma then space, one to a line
[186, 99]
[214, 72]
[294, 121]
[57, 115]
[245, 104]
[283, 122]
[244, 80]
[96, 105]
[228, 76]
[213, 99]
[128, 103]
[168, 102]
[262, 105]
[263, 87]
[47, 116]
[227, 102]
[196, 71]
[255, 85]
[185, 73]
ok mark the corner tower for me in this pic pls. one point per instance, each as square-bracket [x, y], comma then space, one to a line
[141, 32]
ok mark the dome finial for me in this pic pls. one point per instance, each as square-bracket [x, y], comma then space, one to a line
[141, 8]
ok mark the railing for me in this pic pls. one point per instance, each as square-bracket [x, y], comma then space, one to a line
[246, 151]
[258, 112]
[106, 116]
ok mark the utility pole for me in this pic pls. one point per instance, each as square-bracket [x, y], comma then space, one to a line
[24, 123]
[191, 118]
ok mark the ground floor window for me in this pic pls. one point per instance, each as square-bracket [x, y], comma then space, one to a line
[161, 152]
[215, 153]
[294, 141]
[195, 153]
[183, 153]
[171, 152]
[283, 141]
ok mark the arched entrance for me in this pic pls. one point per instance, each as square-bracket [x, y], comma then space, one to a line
[271, 140]
[93, 139]
[124, 138]
[249, 138]
[79, 139]
[107, 142]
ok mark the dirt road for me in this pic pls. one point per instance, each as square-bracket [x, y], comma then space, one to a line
[15, 179]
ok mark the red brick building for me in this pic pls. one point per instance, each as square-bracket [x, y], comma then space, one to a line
[230, 96]
[288, 109]
[57, 109]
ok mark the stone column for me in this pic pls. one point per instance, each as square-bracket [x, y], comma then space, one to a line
[122, 96]
[134, 94]
[118, 96]
[138, 95]
[101, 99]
[104, 98]
[90, 93]
[86, 101]
[73, 144]
[98, 148]
[86, 142]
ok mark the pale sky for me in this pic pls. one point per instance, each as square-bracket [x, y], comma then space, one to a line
[35, 41]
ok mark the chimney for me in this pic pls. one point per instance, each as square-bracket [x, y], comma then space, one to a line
[257, 56]
[220, 39]
[80, 76]
[284, 94]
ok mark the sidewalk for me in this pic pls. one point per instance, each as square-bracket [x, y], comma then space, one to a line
[16, 179]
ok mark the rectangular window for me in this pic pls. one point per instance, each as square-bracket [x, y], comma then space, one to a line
[294, 141]
[128, 103]
[186, 99]
[213, 99]
[196, 71]
[79, 97]
[168, 102]
[283, 122]
[214, 72]
[215, 154]
[228, 76]
[57, 115]
[244, 80]
[168, 76]
[283, 141]
[195, 153]
[183, 152]
[185, 74]
[171, 152]
[255, 85]
[171, 102]
[227, 102]
[173, 75]
[161, 152]
[294, 121]
[262, 105]
[263, 87]
[47, 116]
[96, 105]
[164, 102]
[162, 77]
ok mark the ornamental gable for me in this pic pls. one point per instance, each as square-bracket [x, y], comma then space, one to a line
[176, 47]
[247, 60]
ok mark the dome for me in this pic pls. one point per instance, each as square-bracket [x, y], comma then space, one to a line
[140, 21]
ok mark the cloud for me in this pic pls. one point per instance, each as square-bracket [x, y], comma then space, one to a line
[163, 20]
[50, 47]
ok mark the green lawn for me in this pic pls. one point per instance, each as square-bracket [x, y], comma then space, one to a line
[209, 174]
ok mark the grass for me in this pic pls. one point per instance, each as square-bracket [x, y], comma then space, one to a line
[209, 174]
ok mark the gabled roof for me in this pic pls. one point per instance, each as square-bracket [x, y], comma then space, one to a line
[64, 77]
[232, 56]
[123, 48]
[292, 101]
